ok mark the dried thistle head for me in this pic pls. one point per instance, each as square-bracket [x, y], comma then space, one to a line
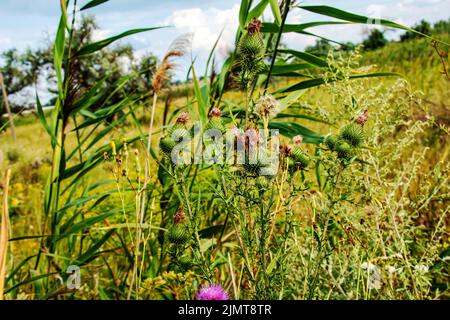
[267, 106]
[286, 150]
[254, 26]
[183, 118]
[177, 49]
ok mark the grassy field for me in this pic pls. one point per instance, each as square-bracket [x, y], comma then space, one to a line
[373, 228]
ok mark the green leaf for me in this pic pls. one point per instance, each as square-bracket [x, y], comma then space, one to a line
[300, 116]
[92, 252]
[93, 47]
[243, 12]
[274, 28]
[42, 119]
[85, 224]
[257, 11]
[291, 129]
[58, 53]
[308, 57]
[199, 95]
[92, 4]
[210, 231]
[356, 18]
[281, 69]
[319, 81]
[276, 11]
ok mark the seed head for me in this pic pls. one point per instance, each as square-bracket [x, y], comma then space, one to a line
[267, 106]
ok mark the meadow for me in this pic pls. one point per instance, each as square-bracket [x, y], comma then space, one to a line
[353, 205]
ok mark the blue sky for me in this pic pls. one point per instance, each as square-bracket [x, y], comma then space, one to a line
[31, 23]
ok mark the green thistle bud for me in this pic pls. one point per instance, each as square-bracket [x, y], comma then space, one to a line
[330, 141]
[215, 123]
[300, 157]
[178, 132]
[253, 166]
[262, 183]
[166, 145]
[344, 150]
[251, 45]
[353, 134]
[185, 262]
[178, 234]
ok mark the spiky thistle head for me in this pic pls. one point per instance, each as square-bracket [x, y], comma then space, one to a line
[178, 234]
[330, 141]
[300, 158]
[344, 150]
[267, 106]
[353, 134]
[177, 49]
[166, 145]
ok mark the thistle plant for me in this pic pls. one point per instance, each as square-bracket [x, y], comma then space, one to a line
[294, 210]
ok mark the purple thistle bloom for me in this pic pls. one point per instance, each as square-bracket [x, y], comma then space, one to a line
[212, 292]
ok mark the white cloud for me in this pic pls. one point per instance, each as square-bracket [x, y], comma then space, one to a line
[99, 34]
[206, 25]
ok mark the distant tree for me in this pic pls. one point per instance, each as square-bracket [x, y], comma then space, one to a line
[423, 27]
[442, 26]
[22, 70]
[375, 40]
[320, 48]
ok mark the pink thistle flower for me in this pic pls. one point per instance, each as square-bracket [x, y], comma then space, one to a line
[183, 118]
[212, 292]
[297, 139]
[215, 112]
[254, 26]
[362, 118]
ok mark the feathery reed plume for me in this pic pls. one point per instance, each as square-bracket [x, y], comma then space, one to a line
[4, 234]
[178, 48]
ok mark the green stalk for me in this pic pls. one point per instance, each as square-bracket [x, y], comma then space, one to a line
[275, 52]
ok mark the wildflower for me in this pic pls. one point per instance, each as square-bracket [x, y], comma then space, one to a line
[267, 106]
[374, 275]
[286, 150]
[362, 118]
[391, 269]
[179, 217]
[212, 292]
[215, 112]
[298, 139]
[421, 268]
[183, 118]
[254, 26]
[215, 121]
